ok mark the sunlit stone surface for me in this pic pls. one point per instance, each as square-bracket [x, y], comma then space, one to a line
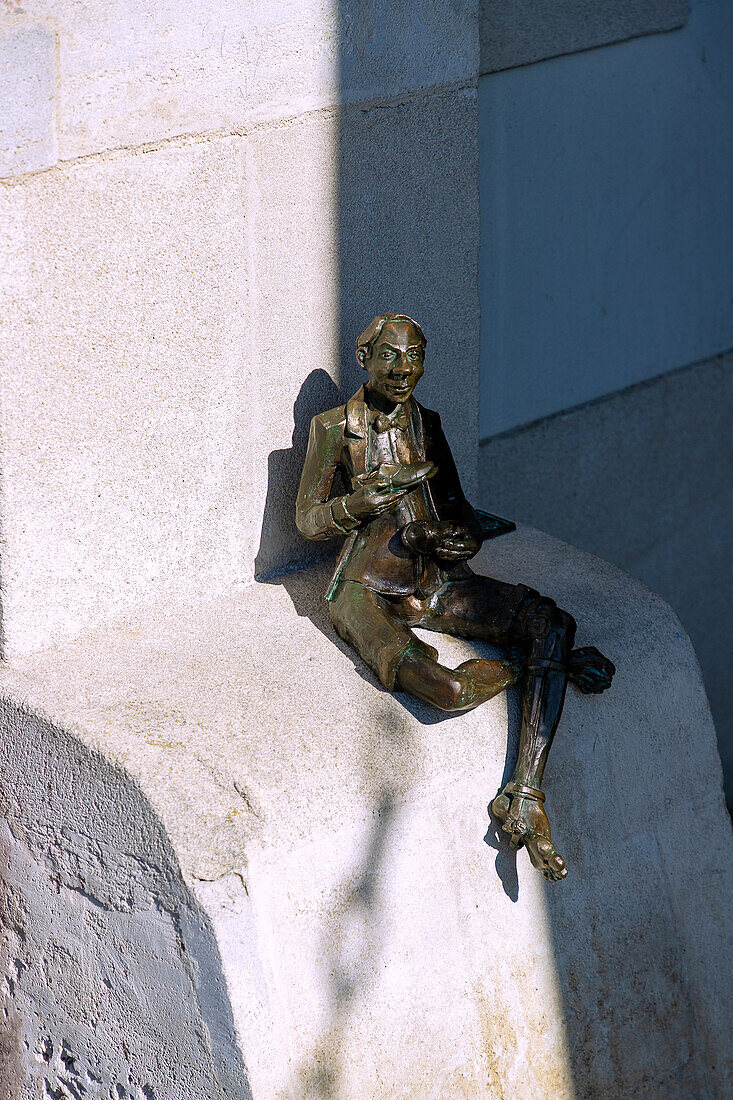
[375, 937]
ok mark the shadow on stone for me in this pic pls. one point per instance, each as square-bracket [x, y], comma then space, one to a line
[100, 924]
[280, 543]
[351, 947]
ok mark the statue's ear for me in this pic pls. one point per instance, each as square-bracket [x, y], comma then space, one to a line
[361, 355]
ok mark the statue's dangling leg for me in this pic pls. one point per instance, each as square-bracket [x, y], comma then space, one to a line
[520, 806]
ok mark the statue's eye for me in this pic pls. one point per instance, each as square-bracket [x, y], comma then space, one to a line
[387, 354]
[414, 355]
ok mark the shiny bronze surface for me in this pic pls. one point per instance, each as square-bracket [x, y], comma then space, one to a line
[410, 533]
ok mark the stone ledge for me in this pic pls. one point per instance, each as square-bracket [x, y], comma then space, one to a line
[334, 835]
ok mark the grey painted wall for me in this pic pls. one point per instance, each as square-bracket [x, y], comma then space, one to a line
[607, 237]
[642, 478]
[517, 32]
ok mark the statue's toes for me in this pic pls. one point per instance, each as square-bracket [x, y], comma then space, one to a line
[590, 671]
[592, 683]
[547, 859]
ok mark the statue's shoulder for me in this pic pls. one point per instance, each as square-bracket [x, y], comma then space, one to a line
[332, 419]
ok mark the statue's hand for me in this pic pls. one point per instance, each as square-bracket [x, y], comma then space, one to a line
[379, 490]
[371, 500]
[456, 543]
[421, 537]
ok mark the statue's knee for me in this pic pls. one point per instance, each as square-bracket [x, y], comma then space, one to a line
[543, 620]
[549, 619]
[444, 689]
[451, 695]
[423, 676]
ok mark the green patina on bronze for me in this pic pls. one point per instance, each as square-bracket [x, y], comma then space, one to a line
[410, 533]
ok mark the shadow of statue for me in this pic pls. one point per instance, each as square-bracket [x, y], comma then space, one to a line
[351, 948]
[280, 543]
[99, 923]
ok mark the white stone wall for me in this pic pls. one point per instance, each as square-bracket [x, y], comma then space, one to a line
[230, 860]
[195, 231]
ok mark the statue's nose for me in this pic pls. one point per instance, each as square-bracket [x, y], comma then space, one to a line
[402, 366]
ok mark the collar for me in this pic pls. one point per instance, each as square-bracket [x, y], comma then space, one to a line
[359, 415]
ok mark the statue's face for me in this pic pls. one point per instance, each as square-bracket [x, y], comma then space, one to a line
[396, 363]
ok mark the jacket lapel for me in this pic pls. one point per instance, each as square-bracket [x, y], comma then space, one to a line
[357, 432]
[417, 427]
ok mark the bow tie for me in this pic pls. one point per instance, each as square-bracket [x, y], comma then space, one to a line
[399, 419]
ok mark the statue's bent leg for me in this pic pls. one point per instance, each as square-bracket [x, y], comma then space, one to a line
[457, 689]
[376, 627]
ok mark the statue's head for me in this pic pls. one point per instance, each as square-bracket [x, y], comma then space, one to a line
[392, 349]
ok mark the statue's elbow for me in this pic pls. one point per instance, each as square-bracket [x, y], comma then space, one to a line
[304, 524]
[301, 524]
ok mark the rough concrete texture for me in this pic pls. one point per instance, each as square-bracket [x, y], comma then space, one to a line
[27, 99]
[112, 983]
[518, 32]
[124, 289]
[149, 71]
[643, 479]
[376, 940]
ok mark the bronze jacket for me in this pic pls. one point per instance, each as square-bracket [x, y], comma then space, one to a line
[373, 552]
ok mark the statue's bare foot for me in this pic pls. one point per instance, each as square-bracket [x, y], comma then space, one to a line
[524, 818]
[590, 671]
[484, 678]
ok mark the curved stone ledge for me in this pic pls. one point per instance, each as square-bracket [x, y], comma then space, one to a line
[113, 980]
[376, 939]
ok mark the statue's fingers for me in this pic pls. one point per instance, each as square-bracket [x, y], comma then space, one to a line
[500, 806]
[386, 499]
[454, 555]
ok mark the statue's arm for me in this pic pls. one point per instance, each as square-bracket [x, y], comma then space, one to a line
[316, 516]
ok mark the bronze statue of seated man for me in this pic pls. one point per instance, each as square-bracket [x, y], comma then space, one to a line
[409, 534]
